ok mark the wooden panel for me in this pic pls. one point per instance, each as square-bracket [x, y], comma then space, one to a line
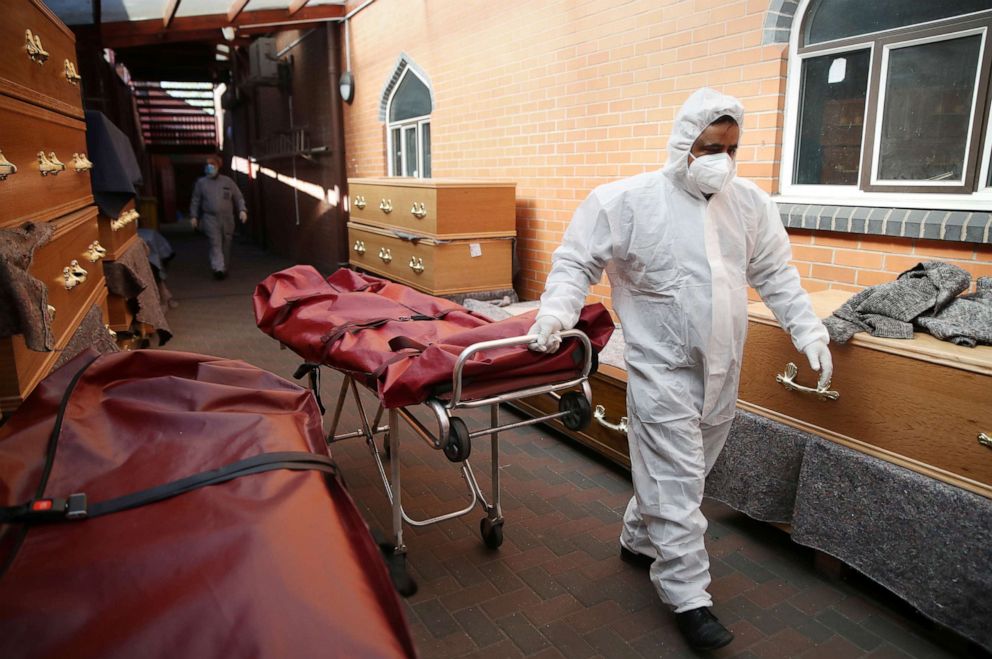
[44, 84]
[27, 194]
[912, 404]
[455, 208]
[117, 234]
[449, 267]
[119, 315]
[22, 369]
[609, 389]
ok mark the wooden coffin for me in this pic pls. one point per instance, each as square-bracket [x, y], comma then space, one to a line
[433, 266]
[118, 234]
[73, 274]
[924, 404]
[46, 172]
[607, 433]
[438, 208]
[39, 59]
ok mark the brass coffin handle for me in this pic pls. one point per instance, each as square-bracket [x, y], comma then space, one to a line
[359, 247]
[70, 276]
[112, 333]
[32, 44]
[600, 415]
[788, 380]
[95, 252]
[419, 210]
[124, 219]
[386, 206]
[71, 74]
[6, 167]
[49, 164]
[81, 163]
[985, 440]
[360, 202]
[385, 254]
[78, 271]
[416, 264]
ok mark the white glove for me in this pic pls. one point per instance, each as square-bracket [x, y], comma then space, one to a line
[820, 360]
[548, 330]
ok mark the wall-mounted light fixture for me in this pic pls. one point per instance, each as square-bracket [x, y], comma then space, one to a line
[347, 87]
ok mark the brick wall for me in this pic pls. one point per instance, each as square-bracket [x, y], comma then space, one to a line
[561, 96]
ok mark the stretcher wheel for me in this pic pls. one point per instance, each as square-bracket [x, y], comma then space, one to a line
[459, 444]
[492, 532]
[579, 411]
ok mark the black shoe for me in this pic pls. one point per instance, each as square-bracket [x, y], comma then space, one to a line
[220, 274]
[635, 559]
[702, 630]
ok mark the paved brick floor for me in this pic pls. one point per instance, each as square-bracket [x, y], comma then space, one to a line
[556, 587]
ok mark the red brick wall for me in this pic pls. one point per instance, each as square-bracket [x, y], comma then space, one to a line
[561, 96]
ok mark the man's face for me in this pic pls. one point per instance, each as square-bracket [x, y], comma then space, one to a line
[212, 167]
[717, 138]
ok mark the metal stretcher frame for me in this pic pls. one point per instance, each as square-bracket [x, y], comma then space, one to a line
[453, 436]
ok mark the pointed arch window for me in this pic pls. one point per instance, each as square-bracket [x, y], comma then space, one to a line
[408, 126]
[889, 96]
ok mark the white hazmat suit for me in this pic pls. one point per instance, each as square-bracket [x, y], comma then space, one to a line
[679, 266]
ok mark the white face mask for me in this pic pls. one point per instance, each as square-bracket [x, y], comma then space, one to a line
[712, 172]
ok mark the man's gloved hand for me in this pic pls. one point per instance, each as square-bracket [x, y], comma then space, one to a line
[243, 216]
[548, 330]
[820, 360]
[194, 222]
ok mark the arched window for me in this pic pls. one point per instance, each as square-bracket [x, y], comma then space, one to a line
[408, 124]
[888, 96]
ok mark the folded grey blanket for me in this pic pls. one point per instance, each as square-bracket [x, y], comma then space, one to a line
[924, 297]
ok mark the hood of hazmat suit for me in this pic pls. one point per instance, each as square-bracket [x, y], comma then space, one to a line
[679, 265]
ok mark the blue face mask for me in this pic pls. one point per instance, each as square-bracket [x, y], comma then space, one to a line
[210, 169]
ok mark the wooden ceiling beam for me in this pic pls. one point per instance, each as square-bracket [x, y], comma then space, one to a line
[236, 8]
[171, 7]
[207, 28]
[297, 5]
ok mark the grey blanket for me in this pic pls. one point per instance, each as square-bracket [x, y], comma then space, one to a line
[925, 298]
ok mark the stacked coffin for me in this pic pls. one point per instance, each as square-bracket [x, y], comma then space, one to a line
[44, 184]
[440, 236]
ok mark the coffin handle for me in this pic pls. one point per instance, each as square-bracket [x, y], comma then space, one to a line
[788, 380]
[600, 415]
[985, 440]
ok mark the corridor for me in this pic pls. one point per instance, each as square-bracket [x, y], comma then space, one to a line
[556, 588]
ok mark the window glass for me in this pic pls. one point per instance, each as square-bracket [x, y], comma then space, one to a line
[929, 91]
[425, 140]
[837, 19]
[397, 152]
[411, 99]
[831, 118]
[410, 150]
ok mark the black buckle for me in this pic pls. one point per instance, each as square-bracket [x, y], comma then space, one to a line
[54, 508]
[75, 506]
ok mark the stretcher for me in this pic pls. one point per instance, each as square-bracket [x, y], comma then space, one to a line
[166, 504]
[410, 349]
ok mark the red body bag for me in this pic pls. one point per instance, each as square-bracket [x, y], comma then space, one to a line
[404, 343]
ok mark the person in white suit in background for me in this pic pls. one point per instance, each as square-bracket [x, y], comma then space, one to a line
[680, 246]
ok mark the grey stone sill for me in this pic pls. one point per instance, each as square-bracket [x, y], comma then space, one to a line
[957, 226]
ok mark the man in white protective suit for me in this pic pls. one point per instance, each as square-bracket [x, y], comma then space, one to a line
[680, 247]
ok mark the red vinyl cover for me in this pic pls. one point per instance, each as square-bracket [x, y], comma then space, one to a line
[351, 322]
[275, 564]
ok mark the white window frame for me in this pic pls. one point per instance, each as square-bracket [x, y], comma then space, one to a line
[417, 123]
[853, 194]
